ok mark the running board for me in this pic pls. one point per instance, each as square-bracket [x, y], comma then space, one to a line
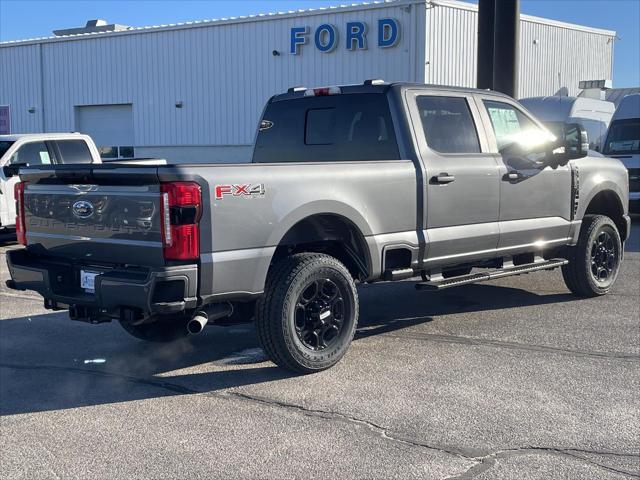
[441, 284]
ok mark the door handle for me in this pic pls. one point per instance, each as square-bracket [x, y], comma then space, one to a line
[512, 176]
[443, 178]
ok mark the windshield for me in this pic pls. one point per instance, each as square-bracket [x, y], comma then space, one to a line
[623, 137]
[4, 146]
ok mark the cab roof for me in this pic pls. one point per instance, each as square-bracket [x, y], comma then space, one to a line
[379, 86]
[39, 136]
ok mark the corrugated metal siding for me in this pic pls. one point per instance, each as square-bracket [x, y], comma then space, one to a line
[20, 86]
[559, 59]
[223, 74]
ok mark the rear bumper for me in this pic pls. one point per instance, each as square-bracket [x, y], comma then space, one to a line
[128, 293]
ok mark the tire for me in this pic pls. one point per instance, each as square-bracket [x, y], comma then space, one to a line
[167, 330]
[595, 261]
[308, 314]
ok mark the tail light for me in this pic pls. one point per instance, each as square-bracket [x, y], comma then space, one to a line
[21, 226]
[180, 213]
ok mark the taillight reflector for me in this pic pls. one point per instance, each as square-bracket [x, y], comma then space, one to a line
[21, 226]
[181, 204]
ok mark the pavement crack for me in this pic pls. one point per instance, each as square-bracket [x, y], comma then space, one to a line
[480, 463]
[516, 346]
[374, 427]
[486, 462]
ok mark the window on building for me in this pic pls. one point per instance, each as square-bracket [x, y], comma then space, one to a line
[448, 125]
[73, 151]
[35, 153]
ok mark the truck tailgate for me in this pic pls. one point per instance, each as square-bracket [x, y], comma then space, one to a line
[100, 213]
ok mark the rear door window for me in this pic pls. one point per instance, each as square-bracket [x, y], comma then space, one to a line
[448, 125]
[347, 127]
[74, 151]
[34, 153]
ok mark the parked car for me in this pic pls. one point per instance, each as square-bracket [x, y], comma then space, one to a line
[355, 184]
[623, 143]
[37, 149]
[591, 114]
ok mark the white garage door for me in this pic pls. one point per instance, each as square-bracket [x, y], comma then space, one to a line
[110, 126]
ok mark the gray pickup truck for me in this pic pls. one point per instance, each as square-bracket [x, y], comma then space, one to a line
[354, 184]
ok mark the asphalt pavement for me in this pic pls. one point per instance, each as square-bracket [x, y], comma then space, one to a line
[510, 379]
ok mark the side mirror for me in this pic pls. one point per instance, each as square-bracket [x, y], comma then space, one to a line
[576, 142]
[11, 170]
[573, 144]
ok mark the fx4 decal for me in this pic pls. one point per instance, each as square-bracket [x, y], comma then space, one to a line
[251, 190]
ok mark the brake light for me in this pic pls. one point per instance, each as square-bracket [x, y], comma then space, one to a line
[181, 209]
[322, 92]
[21, 226]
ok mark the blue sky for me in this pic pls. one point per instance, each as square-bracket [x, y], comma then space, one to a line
[21, 19]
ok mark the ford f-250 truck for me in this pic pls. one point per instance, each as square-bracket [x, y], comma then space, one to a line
[354, 184]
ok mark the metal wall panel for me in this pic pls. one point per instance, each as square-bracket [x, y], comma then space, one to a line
[553, 57]
[20, 86]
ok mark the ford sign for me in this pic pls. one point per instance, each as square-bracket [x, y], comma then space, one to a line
[326, 37]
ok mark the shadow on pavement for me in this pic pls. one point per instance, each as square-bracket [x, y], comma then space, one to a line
[48, 362]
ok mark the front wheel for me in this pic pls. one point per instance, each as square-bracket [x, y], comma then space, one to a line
[595, 261]
[309, 313]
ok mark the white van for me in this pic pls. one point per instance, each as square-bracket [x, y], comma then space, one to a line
[590, 113]
[37, 149]
[623, 143]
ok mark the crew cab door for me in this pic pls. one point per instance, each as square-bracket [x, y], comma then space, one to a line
[461, 180]
[535, 201]
[29, 153]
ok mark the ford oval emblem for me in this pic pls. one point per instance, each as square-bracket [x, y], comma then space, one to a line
[82, 209]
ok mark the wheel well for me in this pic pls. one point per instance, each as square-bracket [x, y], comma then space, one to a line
[608, 203]
[330, 234]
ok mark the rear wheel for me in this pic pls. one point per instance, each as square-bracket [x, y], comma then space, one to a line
[163, 331]
[594, 262]
[309, 313]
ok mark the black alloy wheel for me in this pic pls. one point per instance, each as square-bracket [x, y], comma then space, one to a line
[319, 314]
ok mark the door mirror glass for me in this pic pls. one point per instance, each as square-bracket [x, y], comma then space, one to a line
[576, 142]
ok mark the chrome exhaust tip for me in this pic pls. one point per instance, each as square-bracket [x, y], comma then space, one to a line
[197, 323]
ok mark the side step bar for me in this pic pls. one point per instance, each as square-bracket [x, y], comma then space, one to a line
[442, 283]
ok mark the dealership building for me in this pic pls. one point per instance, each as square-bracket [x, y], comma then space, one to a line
[194, 92]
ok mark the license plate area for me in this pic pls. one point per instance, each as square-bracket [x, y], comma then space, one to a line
[88, 280]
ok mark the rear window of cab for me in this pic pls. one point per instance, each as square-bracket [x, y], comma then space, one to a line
[355, 127]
